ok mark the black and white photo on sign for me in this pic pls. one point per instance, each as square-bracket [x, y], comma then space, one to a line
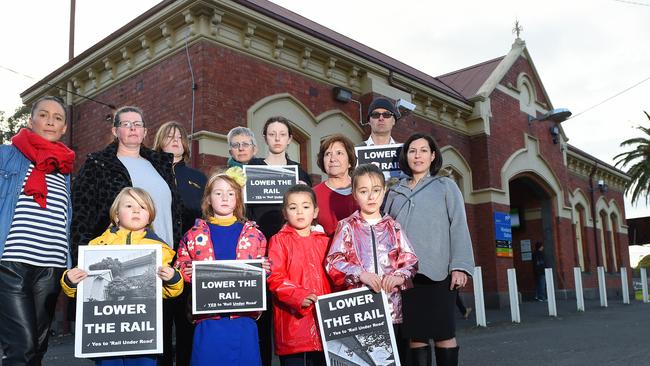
[228, 286]
[119, 304]
[267, 183]
[385, 157]
[356, 328]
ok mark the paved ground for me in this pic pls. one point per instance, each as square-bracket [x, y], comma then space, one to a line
[616, 335]
[613, 336]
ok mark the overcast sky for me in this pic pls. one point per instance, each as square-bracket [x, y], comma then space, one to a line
[584, 50]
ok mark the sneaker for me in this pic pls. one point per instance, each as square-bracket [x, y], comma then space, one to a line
[468, 311]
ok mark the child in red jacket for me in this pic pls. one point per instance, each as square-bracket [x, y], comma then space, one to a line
[297, 278]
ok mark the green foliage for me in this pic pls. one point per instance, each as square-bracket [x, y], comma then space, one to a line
[638, 158]
[9, 126]
[113, 264]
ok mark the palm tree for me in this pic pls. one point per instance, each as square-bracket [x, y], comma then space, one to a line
[639, 157]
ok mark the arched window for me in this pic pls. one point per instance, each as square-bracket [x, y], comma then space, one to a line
[582, 253]
[454, 175]
[604, 238]
[613, 242]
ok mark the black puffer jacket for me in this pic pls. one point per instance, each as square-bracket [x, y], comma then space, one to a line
[100, 179]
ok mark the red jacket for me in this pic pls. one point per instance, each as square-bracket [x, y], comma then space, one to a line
[296, 271]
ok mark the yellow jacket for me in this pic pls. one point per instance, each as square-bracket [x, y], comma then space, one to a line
[115, 236]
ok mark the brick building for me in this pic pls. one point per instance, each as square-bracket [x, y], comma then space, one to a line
[214, 65]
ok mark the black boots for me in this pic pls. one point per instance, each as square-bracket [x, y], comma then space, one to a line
[421, 356]
[446, 356]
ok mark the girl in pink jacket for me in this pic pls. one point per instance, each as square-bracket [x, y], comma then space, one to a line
[371, 249]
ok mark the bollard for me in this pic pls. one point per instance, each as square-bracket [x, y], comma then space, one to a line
[514, 296]
[625, 289]
[479, 300]
[644, 285]
[550, 292]
[580, 298]
[602, 289]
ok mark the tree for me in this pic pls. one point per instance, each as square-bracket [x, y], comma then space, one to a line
[10, 126]
[639, 160]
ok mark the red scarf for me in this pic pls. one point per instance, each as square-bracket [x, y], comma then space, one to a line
[47, 157]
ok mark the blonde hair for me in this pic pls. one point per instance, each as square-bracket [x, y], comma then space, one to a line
[140, 196]
[206, 207]
[162, 133]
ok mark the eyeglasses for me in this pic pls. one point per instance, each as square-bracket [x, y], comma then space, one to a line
[134, 124]
[386, 115]
[243, 145]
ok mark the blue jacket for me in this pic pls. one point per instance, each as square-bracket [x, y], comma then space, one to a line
[13, 169]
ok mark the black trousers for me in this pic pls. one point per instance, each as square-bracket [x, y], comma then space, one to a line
[304, 359]
[27, 300]
[175, 312]
[265, 332]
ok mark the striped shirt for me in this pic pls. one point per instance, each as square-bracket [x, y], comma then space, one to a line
[38, 235]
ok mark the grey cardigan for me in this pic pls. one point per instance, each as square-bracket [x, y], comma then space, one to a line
[433, 217]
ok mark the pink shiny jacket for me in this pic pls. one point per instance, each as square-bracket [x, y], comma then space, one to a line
[296, 272]
[196, 245]
[351, 253]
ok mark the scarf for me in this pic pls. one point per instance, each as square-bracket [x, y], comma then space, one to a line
[47, 157]
[232, 162]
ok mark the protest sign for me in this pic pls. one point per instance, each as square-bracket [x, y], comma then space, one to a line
[386, 157]
[267, 183]
[228, 286]
[119, 304]
[356, 328]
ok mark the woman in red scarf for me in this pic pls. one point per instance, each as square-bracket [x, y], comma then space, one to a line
[34, 223]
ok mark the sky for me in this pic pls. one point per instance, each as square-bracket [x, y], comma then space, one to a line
[585, 51]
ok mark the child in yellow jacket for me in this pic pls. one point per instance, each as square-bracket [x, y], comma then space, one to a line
[132, 213]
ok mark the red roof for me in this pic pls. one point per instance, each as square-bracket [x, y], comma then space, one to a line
[467, 81]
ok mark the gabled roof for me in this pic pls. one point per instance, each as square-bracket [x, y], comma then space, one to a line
[467, 81]
[480, 80]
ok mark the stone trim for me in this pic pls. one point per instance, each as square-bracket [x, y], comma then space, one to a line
[582, 166]
[240, 28]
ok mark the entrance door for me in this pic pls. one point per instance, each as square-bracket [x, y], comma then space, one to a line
[534, 205]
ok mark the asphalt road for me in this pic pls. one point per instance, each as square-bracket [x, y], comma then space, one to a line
[600, 336]
[615, 335]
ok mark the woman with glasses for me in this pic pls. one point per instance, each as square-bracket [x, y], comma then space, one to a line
[126, 162]
[242, 146]
[172, 138]
[431, 211]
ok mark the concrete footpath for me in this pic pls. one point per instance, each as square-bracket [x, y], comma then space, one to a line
[615, 335]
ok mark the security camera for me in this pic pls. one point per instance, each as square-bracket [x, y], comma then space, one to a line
[402, 103]
[601, 183]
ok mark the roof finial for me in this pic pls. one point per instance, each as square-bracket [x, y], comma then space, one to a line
[518, 28]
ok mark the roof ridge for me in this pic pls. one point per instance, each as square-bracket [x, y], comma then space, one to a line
[471, 67]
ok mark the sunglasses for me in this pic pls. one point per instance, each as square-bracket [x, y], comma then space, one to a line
[386, 115]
